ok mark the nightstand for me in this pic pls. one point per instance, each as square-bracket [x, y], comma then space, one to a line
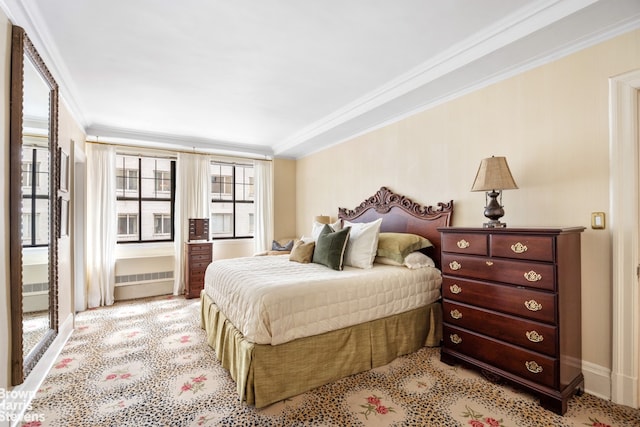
[197, 256]
[512, 304]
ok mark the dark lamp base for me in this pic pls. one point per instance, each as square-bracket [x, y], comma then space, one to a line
[493, 211]
[492, 224]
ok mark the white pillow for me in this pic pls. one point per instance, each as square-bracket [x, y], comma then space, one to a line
[418, 260]
[362, 244]
[307, 239]
[317, 227]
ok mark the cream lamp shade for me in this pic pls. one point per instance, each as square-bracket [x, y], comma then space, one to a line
[323, 219]
[493, 176]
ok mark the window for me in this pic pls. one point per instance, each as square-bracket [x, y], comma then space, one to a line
[29, 174]
[127, 179]
[232, 197]
[127, 225]
[27, 219]
[222, 185]
[145, 198]
[163, 181]
[222, 224]
[162, 224]
[35, 196]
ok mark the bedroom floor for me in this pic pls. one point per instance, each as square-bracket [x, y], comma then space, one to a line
[146, 363]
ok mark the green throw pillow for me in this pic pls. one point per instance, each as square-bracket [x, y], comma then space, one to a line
[398, 245]
[330, 247]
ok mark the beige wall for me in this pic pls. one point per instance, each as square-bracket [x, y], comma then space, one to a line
[5, 308]
[69, 134]
[552, 125]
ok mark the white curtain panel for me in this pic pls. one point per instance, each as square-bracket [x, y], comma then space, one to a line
[101, 224]
[263, 236]
[193, 193]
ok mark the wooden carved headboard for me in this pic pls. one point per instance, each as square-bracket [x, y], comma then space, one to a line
[402, 215]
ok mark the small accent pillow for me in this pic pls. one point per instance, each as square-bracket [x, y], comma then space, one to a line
[387, 261]
[330, 247]
[317, 227]
[302, 252]
[276, 246]
[362, 244]
[418, 260]
[398, 245]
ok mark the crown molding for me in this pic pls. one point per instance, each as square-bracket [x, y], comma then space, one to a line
[132, 137]
[404, 96]
[22, 14]
[510, 29]
[632, 23]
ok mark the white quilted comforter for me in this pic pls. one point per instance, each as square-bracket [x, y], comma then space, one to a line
[272, 300]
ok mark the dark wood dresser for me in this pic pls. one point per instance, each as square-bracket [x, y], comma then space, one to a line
[511, 303]
[197, 256]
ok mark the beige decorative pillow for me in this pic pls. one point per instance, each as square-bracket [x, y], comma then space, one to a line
[398, 245]
[387, 261]
[302, 252]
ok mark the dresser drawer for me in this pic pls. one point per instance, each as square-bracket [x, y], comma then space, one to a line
[204, 248]
[196, 276]
[535, 275]
[519, 246]
[199, 264]
[198, 270]
[195, 257]
[524, 302]
[526, 364]
[532, 335]
[462, 243]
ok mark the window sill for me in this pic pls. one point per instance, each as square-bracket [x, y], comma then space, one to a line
[145, 250]
[233, 241]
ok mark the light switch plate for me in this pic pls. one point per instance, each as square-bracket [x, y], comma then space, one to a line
[597, 220]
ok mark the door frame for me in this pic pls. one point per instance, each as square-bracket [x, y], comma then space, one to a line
[624, 93]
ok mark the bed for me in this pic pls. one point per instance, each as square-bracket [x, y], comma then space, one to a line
[351, 322]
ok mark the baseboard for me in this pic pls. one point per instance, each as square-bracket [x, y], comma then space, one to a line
[623, 390]
[19, 398]
[597, 380]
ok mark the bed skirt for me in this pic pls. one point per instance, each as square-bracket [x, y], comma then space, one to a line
[265, 374]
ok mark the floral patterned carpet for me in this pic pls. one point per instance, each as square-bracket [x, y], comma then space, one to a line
[146, 363]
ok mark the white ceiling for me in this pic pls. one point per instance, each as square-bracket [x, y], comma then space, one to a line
[290, 77]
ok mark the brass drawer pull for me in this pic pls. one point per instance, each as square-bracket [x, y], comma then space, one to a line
[534, 336]
[456, 314]
[533, 367]
[463, 244]
[489, 263]
[455, 338]
[455, 289]
[519, 248]
[533, 305]
[532, 276]
[455, 265]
